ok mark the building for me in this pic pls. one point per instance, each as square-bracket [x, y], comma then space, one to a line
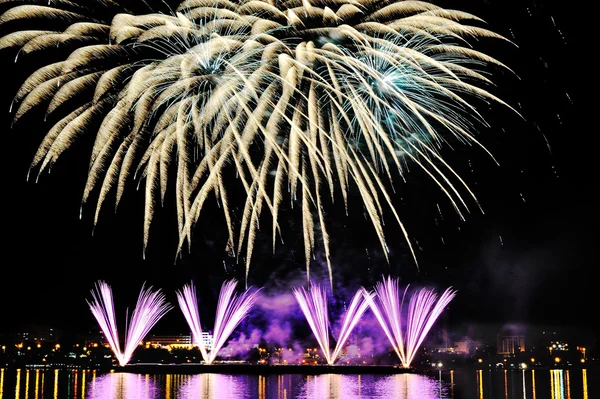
[181, 341]
[207, 339]
[510, 344]
[468, 346]
[511, 339]
[36, 333]
[170, 341]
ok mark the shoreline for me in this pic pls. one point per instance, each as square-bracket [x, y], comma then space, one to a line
[196, 368]
[254, 369]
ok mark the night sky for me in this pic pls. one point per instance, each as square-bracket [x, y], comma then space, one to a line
[530, 257]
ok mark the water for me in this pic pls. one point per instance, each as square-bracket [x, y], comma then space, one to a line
[455, 384]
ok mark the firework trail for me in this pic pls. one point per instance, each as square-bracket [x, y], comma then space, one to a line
[300, 100]
[188, 303]
[424, 307]
[150, 307]
[313, 303]
[232, 308]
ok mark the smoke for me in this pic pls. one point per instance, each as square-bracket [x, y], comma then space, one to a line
[292, 354]
[369, 339]
[277, 323]
[242, 345]
[278, 333]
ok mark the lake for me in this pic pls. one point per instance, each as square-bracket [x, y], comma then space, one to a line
[445, 384]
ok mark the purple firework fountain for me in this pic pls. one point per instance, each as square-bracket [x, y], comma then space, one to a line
[231, 310]
[313, 303]
[150, 307]
[424, 307]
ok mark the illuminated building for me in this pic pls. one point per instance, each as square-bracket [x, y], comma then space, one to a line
[170, 341]
[510, 344]
[207, 338]
[511, 339]
[180, 341]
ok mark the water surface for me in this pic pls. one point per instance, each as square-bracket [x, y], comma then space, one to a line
[447, 384]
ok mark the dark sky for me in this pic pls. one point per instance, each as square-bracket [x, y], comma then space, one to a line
[530, 257]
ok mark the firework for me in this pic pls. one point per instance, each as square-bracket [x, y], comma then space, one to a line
[150, 307]
[300, 100]
[231, 310]
[313, 303]
[189, 307]
[424, 307]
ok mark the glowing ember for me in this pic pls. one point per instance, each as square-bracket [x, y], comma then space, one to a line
[231, 310]
[423, 310]
[150, 307]
[313, 303]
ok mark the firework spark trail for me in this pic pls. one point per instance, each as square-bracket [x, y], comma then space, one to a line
[150, 307]
[232, 308]
[313, 303]
[103, 309]
[188, 304]
[424, 308]
[300, 100]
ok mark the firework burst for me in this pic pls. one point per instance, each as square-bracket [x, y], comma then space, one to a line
[232, 309]
[407, 330]
[313, 303]
[150, 307]
[303, 100]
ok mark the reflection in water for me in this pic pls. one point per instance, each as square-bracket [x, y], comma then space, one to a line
[123, 385]
[457, 384]
[585, 391]
[18, 386]
[556, 384]
[221, 386]
[55, 386]
[402, 386]
[26, 384]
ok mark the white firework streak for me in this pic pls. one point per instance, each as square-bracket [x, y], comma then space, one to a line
[150, 308]
[313, 303]
[232, 309]
[424, 308]
[188, 303]
[311, 99]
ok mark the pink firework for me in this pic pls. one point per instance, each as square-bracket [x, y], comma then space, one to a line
[231, 310]
[313, 303]
[150, 307]
[424, 307]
